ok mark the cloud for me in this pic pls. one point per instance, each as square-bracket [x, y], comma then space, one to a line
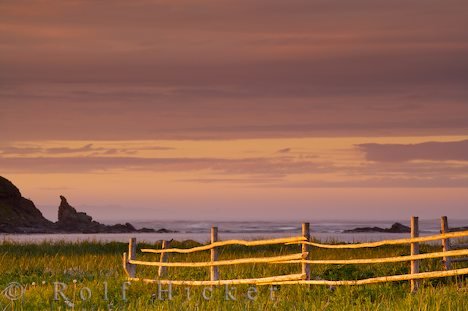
[193, 118]
[245, 181]
[12, 150]
[291, 171]
[284, 150]
[82, 164]
[385, 182]
[155, 69]
[433, 151]
[65, 150]
[88, 148]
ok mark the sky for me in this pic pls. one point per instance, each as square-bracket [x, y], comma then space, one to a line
[237, 110]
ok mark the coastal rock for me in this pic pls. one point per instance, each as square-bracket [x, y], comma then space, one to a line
[164, 230]
[395, 228]
[18, 214]
[70, 220]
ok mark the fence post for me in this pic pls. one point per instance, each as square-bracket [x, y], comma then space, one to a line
[131, 268]
[305, 249]
[414, 251]
[214, 275]
[444, 228]
[162, 269]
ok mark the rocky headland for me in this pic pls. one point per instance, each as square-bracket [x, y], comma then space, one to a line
[20, 215]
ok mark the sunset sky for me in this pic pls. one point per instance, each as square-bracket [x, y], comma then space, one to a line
[237, 110]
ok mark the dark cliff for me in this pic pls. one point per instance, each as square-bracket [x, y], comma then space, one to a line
[18, 214]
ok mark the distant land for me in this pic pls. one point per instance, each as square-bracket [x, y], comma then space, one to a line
[20, 215]
[395, 228]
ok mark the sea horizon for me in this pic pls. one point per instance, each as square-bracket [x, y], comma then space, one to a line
[325, 231]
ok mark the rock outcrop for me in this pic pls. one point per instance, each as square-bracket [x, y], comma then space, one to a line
[70, 220]
[20, 215]
[395, 228]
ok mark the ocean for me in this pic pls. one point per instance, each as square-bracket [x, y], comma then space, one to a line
[325, 231]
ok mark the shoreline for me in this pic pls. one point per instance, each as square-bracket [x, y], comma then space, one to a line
[198, 237]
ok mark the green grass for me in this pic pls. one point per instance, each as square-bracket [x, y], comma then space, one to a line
[92, 264]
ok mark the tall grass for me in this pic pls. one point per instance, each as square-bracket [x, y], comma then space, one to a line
[92, 264]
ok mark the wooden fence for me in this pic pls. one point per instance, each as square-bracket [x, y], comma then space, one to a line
[447, 246]
[303, 258]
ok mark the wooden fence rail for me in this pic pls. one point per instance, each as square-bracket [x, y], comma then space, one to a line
[428, 238]
[303, 258]
[276, 259]
[292, 240]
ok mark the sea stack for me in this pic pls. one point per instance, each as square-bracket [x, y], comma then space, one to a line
[70, 220]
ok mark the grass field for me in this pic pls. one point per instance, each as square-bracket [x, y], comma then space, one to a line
[91, 265]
